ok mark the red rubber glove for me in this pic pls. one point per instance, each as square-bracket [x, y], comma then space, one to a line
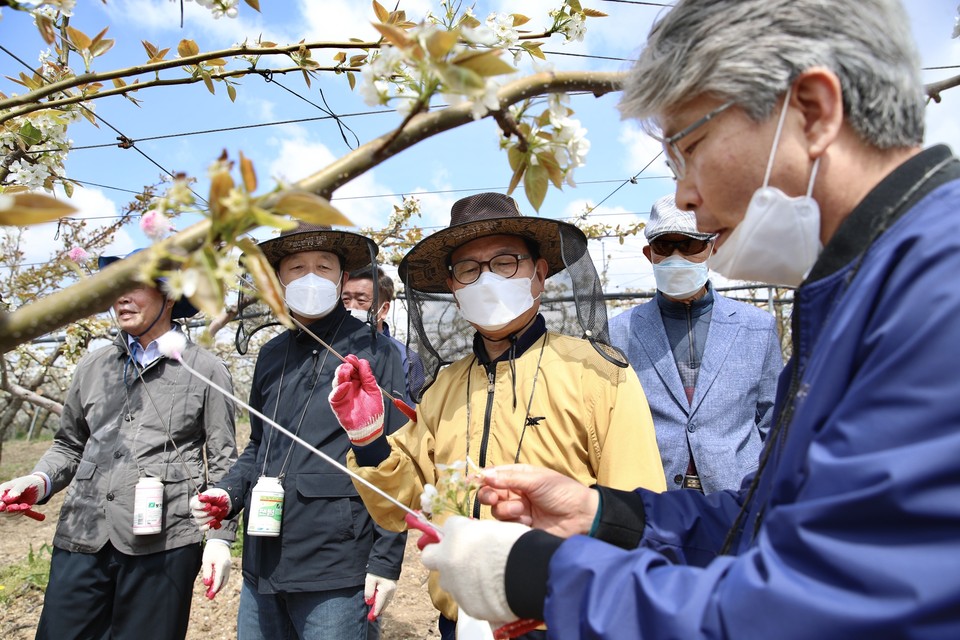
[210, 508]
[356, 401]
[17, 496]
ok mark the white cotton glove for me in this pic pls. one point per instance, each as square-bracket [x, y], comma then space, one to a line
[19, 494]
[471, 558]
[210, 508]
[377, 593]
[215, 569]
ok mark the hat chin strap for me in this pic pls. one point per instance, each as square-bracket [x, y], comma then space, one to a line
[155, 321]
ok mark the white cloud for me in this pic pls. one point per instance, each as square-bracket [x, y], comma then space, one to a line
[299, 157]
[159, 16]
[40, 243]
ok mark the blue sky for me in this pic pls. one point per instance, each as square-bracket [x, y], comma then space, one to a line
[442, 169]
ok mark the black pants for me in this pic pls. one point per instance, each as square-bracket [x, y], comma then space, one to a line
[448, 631]
[108, 594]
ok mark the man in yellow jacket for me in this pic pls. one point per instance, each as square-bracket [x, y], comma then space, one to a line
[524, 394]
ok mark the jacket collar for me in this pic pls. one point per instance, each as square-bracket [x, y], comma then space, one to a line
[523, 342]
[885, 204]
[324, 327]
[676, 309]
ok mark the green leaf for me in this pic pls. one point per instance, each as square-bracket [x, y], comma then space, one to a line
[187, 48]
[440, 43]
[232, 92]
[24, 209]
[394, 35]
[78, 38]
[311, 208]
[351, 80]
[483, 63]
[593, 13]
[30, 134]
[535, 185]
[533, 48]
[462, 80]
[382, 14]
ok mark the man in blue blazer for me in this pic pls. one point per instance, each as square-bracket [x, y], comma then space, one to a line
[708, 365]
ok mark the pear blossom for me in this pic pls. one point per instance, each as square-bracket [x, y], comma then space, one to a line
[155, 225]
[428, 499]
[172, 344]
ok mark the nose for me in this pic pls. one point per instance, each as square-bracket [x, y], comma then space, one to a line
[687, 196]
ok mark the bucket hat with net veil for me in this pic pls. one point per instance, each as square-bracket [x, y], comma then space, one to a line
[572, 302]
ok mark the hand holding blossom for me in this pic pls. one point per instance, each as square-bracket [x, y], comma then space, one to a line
[539, 498]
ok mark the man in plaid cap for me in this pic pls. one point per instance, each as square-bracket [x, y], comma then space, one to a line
[708, 365]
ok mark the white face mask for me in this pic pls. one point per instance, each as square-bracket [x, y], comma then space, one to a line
[678, 277]
[493, 302]
[311, 296]
[361, 314]
[778, 240]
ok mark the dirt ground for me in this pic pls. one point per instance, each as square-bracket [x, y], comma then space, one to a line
[409, 616]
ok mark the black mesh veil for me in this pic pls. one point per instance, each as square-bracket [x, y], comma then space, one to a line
[572, 304]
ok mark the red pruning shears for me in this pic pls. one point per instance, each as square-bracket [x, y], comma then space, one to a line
[23, 503]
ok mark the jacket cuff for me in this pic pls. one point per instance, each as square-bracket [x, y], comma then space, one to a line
[622, 518]
[372, 454]
[528, 567]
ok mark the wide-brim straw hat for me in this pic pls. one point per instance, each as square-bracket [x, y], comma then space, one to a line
[424, 268]
[354, 250]
[182, 308]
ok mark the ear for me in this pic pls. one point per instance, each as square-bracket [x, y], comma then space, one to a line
[540, 272]
[818, 96]
[647, 252]
[386, 307]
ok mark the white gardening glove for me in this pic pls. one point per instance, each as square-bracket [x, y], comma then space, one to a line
[19, 494]
[210, 508]
[471, 559]
[377, 593]
[215, 569]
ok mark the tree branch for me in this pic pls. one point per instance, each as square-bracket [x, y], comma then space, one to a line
[93, 295]
[32, 99]
[934, 89]
[74, 98]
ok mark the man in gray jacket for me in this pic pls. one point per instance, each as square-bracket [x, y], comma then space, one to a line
[123, 567]
[708, 365]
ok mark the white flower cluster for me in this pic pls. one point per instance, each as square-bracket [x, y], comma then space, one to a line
[218, 8]
[569, 23]
[46, 132]
[564, 138]
[403, 77]
[49, 8]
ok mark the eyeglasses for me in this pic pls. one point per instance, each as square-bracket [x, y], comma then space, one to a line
[504, 265]
[687, 246]
[674, 155]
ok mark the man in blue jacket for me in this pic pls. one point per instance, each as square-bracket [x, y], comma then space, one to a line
[794, 128]
[708, 365]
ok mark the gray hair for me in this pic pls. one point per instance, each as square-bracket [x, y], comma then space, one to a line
[749, 51]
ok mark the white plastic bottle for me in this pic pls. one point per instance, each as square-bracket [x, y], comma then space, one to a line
[266, 508]
[148, 507]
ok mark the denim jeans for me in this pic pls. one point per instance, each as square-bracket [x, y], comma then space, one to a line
[340, 614]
